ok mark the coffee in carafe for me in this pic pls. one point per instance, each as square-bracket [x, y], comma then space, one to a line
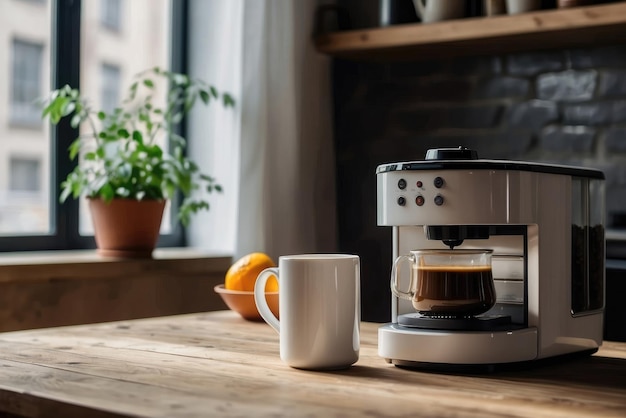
[454, 290]
[453, 283]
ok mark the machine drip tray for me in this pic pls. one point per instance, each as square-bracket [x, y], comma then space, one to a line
[473, 323]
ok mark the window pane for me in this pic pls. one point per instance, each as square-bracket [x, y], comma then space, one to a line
[111, 86]
[110, 13]
[26, 82]
[110, 59]
[24, 174]
[24, 139]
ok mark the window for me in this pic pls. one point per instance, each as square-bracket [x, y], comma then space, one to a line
[26, 82]
[25, 28]
[50, 45]
[25, 174]
[111, 85]
[111, 14]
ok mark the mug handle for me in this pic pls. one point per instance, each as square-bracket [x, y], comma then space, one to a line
[420, 8]
[394, 276]
[259, 297]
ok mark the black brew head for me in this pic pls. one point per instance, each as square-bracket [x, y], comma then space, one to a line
[454, 235]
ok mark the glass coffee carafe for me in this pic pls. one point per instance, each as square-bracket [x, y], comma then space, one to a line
[451, 283]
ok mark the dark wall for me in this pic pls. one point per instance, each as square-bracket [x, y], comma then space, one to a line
[563, 106]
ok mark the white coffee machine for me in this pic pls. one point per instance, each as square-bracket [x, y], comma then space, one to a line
[545, 225]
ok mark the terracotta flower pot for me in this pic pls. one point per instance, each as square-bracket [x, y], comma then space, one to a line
[126, 227]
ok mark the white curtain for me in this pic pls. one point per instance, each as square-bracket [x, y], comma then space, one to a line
[274, 152]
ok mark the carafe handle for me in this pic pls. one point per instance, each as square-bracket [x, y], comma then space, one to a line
[420, 8]
[394, 278]
[261, 301]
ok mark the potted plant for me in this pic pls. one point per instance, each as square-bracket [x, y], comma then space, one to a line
[132, 160]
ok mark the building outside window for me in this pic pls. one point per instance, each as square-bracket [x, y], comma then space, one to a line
[26, 77]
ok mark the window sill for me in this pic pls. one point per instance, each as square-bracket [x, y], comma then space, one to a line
[53, 288]
[87, 264]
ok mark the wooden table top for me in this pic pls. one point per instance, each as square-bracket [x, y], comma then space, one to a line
[216, 364]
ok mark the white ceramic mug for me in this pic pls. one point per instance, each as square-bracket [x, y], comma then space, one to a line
[319, 308]
[436, 10]
[522, 6]
[494, 7]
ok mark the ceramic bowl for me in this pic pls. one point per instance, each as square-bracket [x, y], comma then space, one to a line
[243, 303]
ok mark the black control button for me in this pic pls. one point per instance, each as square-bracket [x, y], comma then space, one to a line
[401, 201]
[419, 200]
[419, 184]
[438, 182]
[402, 184]
[439, 200]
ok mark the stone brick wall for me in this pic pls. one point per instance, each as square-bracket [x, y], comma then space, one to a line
[561, 106]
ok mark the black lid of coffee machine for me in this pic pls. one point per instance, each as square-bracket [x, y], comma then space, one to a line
[462, 158]
[460, 153]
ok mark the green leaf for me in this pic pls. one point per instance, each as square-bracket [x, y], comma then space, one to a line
[123, 133]
[106, 192]
[122, 191]
[177, 118]
[46, 110]
[102, 115]
[148, 83]
[205, 97]
[180, 79]
[137, 136]
[154, 151]
[76, 120]
[228, 100]
[74, 149]
[56, 107]
[65, 193]
[67, 108]
[214, 92]
[189, 103]
[90, 156]
[132, 93]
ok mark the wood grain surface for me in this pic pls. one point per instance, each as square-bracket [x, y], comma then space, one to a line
[217, 364]
[544, 29]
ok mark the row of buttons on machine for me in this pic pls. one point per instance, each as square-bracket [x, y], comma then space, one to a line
[419, 200]
[437, 182]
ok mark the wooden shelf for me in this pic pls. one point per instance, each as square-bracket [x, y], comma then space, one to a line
[562, 28]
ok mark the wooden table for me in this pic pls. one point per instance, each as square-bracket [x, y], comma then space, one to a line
[216, 364]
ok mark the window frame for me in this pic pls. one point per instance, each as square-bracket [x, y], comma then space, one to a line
[65, 45]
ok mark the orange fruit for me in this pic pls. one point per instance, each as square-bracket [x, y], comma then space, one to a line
[242, 275]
